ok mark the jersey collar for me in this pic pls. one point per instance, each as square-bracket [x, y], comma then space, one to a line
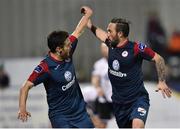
[51, 57]
[123, 44]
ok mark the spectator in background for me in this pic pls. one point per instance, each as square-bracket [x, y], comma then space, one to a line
[174, 44]
[4, 78]
[174, 54]
[156, 35]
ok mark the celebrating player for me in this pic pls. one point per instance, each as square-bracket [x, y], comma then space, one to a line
[130, 98]
[67, 108]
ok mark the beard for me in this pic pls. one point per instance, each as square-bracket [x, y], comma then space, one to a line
[65, 55]
[115, 42]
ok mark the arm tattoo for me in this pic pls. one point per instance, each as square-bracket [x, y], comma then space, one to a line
[161, 69]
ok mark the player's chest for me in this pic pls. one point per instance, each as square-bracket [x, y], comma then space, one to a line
[123, 57]
[62, 73]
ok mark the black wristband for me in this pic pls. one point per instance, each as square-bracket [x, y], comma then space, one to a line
[93, 29]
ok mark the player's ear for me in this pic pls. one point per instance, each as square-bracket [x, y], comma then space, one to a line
[120, 34]
[59, 50]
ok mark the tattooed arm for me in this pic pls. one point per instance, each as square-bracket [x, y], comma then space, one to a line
[162, 73]
[161, 68]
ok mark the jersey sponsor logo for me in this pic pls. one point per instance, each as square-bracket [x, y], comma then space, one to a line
[118, 74]
[142, 46]
[38, 69]
[142, 111]
[124, 54]
[68, 76]
[115, 65]
[65, 87]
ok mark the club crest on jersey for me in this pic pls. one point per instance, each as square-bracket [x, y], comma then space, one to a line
[142, 46]
[115, 65]
[142, 111]
[124, 54]
[68, 76]
[38, 69]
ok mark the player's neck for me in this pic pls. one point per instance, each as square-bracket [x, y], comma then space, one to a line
[122, 42]
[56, 56]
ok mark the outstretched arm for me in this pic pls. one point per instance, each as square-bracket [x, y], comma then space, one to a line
[23, 114]
[162, 73]
[83, 22]
[98, 32]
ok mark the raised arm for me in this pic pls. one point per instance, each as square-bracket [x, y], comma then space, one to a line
[23, 114]
[98, 32]
[83, 22]
[162, 73]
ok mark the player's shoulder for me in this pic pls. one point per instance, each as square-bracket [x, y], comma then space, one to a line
[42, 66]
[140, 45]
[43, 63]
[50, 61]
[130, 44]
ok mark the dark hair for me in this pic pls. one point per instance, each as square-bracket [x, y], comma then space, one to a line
[121, 25]
[56, 39]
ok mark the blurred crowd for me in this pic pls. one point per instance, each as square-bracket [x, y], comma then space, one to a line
[4, 78]
[168, 46]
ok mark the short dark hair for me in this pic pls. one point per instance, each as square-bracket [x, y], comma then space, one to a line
[56, 39]
[121, 25]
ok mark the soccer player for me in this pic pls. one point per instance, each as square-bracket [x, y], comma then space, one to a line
[100, 79]
[130, 98]
[67, 108]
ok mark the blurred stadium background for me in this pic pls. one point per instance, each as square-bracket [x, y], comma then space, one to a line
[25, 24]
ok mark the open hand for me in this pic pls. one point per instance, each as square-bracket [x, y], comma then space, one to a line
[162, 86]
[23, 115]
